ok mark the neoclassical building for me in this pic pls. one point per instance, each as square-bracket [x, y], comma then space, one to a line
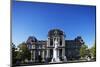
[55, 49]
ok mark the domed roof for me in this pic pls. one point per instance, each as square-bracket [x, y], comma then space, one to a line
[55, 32]
[79, 38]
[31, 39]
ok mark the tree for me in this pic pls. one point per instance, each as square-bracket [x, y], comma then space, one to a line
[24, 52]
[14, 53]
[93, 51]
[83, 50]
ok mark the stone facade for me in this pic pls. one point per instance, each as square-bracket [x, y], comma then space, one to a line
[43, 50]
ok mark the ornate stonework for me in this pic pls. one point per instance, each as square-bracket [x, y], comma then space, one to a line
[55, 48]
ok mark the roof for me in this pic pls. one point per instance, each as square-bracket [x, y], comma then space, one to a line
[55, 32]
[31, 39]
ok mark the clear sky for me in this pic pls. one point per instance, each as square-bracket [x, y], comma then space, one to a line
[36, 19]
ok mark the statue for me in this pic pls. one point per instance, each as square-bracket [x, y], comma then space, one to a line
[55, 57]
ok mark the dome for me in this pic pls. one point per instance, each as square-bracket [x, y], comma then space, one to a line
[55, 32]
[31, 39]
[79, 38]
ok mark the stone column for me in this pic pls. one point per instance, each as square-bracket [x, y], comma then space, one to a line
[47, 53]
[48, 42]
[59, 41]
[31, 56]
[63, 41]
[63, 44]
[34, 55]
[62, 52]
[42, 55]
[53, 41]
[58, 53]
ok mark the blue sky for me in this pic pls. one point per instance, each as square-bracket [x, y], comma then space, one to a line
[36, 19]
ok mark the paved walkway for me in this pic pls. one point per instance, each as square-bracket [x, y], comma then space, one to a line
[74, 61]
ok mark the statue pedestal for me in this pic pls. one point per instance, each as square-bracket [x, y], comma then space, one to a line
[55, 60]
[65, 59]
